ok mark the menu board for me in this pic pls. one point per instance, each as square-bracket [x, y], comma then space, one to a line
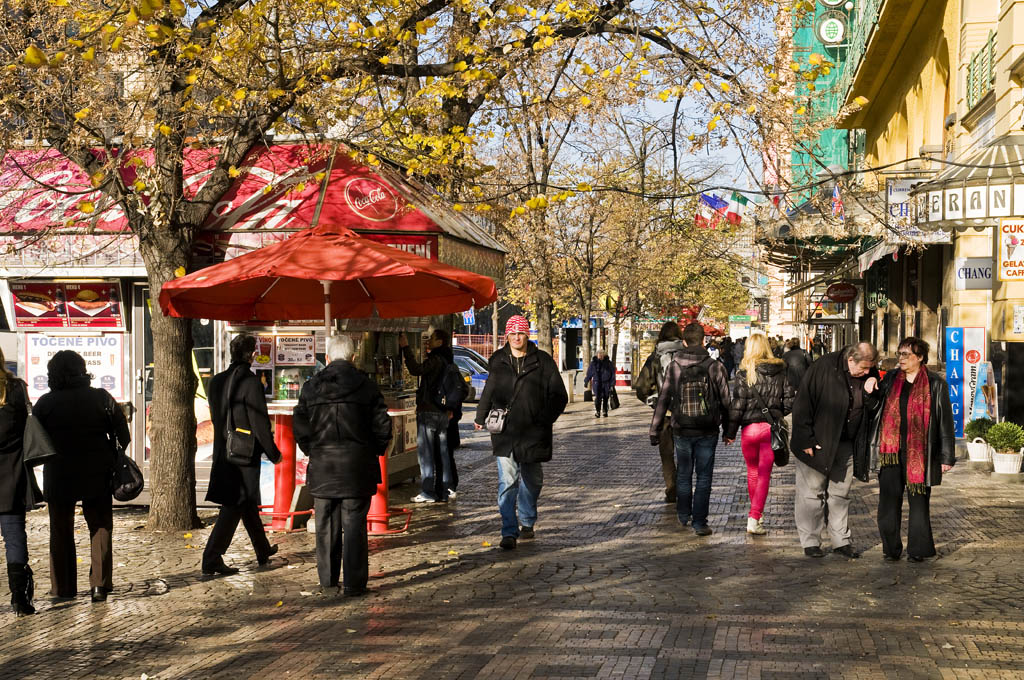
[103, 354]
[52, 304]
[295, 350]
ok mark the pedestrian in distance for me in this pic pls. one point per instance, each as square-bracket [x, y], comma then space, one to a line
[81, 421]
[342, 423]
[236, 488]
[714, 350]
[525, 381]
[797, 362]
[601, 377]
[727, 355]
[648, 383]
[432, 417]
[18, 490]
[832, 416]
[760, 383]
[914, 444]
[737, 355]
[696, 392]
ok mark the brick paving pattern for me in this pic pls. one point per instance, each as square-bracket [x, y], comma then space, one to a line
[612, 587]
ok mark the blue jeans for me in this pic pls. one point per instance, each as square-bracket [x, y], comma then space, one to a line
[431, 425]
[694, 454]
[520, 482]
[12, 526]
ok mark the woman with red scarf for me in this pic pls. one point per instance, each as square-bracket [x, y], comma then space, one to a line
[914, 445]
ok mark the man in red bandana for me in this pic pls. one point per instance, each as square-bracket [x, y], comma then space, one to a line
[525, 381]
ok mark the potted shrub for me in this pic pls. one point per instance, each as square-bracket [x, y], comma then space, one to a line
[976, 433]
[1007, 442]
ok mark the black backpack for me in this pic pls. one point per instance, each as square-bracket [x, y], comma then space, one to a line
[695, 404]
[450, 389]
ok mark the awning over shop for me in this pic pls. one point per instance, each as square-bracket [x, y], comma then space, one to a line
[985, 186]
[874, 254]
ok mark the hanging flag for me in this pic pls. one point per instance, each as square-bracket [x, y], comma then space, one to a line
[710, 210]
[837, 204]
[737, 208]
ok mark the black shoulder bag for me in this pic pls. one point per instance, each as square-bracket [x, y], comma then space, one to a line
[780, 433]
[36, 445]
[126, 480]
[239, 443]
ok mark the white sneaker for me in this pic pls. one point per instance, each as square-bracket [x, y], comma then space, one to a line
[451, 495]
[422, 498]
[755, 526]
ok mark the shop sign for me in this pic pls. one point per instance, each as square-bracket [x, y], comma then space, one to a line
[973, 273]
[371, 199]
[103, 354]
[424, 245]
[295, 350]
[1011, 249]
[832, 28]
[965, 354]
[841, 292]
[52, 304]
[740, 318]
[900, 214]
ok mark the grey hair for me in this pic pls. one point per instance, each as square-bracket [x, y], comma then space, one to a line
[862, 351]
[340, 348]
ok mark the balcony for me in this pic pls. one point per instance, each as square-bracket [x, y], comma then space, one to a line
[981, 72]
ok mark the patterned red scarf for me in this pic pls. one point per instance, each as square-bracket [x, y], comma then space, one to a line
[918, 414]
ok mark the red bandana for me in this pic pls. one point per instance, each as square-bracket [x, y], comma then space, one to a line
[918, 414]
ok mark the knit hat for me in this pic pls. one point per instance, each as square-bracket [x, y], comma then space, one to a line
[517, 324]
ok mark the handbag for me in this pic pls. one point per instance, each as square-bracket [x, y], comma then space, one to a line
[126, 480]
[779, 431]
[239, 442]
[613, 400]
[588, 395]
[496, 417]
[36, 446]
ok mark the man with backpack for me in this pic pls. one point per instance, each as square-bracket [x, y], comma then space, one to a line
[647, 384]
[696, 391]
[439, 396]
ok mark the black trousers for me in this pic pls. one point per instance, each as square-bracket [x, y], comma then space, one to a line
[99, 517]
[224, 531]
[601, 401]
[341, 541]
[892, 481]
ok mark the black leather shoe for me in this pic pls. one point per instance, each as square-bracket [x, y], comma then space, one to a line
[892, 558]
[846, 551]
[670, 497]
[221, 568]
[703, 531]
[357, 592]
[814, 551]
[913, 558]
[99, 594]
[508, 542]
[526, 532]
[265, 560]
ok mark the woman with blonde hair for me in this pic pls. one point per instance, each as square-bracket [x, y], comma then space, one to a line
[762, 375]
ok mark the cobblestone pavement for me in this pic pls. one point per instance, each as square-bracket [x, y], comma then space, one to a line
[612, 587]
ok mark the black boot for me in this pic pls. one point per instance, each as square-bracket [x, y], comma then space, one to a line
[19, 578]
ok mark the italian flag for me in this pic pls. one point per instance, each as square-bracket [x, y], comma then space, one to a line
[737, 206]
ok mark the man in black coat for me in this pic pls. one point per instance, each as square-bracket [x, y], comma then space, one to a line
[797, 363]
[526, 381]
[342, 423]
[831, 421]
[236, 488]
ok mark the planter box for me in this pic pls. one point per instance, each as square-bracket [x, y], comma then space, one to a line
[1007, 463]
[978, 451]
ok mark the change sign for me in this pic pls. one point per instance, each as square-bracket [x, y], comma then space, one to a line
[965, 354]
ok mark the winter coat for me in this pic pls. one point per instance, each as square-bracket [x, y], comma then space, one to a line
[690, 356]
[819, 415]
[941, 441]
[653, 372]
[797, 363]
[745, 409]
[540, 397]
[79, 420]
[342, 423]
[429, 372]
[232, 484]
[18, 490]
[601, 373]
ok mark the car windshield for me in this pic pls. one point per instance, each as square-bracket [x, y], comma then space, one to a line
[469, 365]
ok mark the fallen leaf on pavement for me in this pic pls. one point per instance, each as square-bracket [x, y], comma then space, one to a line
[279, 603]
[486, 544]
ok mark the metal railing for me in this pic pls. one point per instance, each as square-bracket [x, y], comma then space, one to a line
[862, 23]
[981, 71]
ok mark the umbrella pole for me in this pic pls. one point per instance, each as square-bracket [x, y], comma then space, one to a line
[327, 307]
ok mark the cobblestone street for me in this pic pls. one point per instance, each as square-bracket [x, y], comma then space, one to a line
[612, 586]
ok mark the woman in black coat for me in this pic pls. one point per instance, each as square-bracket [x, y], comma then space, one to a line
[81, 421]
[913, 445]
[17, 489]
[236, 488]
[601, 375]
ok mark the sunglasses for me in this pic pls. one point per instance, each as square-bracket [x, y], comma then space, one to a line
[906, 354]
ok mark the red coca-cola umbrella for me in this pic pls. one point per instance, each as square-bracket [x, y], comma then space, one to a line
[325, 273]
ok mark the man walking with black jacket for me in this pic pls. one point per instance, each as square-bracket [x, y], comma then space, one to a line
[696, 391]
[342, 423]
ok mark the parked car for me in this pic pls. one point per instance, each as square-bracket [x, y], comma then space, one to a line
[460, 350]
[477, 376]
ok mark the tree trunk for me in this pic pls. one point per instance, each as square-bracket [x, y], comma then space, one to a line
[588, 353]
[543, 309]
[172, 418]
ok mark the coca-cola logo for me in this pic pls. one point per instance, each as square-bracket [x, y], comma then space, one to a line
[973, 356]
[841, 292]
[371, 200]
